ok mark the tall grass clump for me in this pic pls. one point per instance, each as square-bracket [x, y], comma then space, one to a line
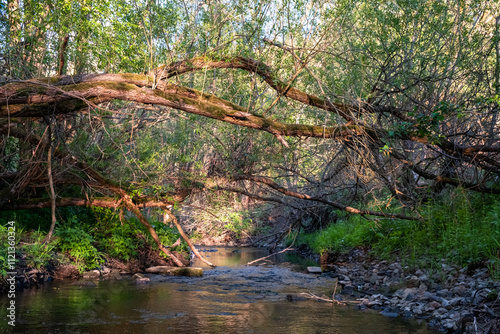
[341, 236]
[460, 227]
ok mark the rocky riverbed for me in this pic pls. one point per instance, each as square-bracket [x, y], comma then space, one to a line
[450, 299]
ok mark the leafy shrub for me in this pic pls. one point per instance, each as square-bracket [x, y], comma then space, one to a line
[339, 237]
[79, 245]
[168, 235]
[237, 222]
[37, 252]
[122, 239]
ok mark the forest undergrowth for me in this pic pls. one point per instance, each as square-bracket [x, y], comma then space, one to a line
[461, 228]
[85, 238]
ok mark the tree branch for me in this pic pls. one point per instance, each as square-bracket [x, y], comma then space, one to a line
[273, 185]
[177, 97]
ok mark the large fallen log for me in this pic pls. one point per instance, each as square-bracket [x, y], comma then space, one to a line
[176, 271]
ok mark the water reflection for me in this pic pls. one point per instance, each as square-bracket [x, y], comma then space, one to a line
[237, 256]
[225, 300]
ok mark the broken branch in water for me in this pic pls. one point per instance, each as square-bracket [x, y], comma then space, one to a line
[313, 296]
[265, 257]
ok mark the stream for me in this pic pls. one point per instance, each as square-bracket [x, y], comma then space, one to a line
[232, 298]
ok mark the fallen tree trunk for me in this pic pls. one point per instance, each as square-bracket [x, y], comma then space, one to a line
[103, 202]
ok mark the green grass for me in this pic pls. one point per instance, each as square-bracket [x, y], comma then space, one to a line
[462, 228]
[340, 237]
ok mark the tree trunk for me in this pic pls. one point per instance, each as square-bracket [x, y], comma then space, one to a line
[186, 238]
[51, 186]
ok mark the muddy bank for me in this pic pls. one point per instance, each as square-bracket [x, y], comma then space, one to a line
[450, 299]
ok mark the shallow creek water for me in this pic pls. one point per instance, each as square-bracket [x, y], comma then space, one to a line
[232, 298]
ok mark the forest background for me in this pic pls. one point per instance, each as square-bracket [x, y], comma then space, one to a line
[331, 124]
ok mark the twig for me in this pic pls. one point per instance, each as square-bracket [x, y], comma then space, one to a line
[265, 257]
[313, 296]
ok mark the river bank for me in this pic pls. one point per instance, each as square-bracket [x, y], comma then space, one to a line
[449, 298]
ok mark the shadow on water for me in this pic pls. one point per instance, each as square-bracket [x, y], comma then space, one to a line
[229, 299]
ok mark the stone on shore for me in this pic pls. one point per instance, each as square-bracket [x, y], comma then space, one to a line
[93, 274]
[314, 270]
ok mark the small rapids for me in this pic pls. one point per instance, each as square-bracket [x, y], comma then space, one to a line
[232, 298]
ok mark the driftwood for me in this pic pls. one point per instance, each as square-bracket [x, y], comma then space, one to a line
[176, 271]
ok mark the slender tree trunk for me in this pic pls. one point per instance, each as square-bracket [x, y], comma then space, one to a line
[186, 238]
[14, 35]
[51, 186]
[497, 52]
[61, 55]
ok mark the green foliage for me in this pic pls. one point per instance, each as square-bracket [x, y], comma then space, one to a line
[86, 237]
[38, 253]
[116, 239]
[31, 244]
[339, 237]
[462, 228]
[464, 225]
[79, 245]
[122, 238]
[168, 235]
[237, 223]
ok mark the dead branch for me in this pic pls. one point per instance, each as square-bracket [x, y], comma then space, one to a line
[265, 257]
[275, 186]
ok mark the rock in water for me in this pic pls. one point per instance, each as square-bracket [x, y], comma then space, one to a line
[140, 279]
[84, 283]
[94, 274]
[314, 270]
[176, 271]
